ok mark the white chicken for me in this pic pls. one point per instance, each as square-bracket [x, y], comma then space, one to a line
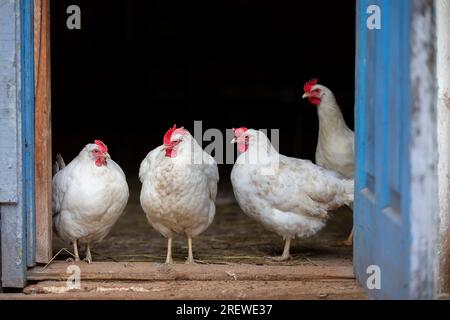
[289, 196]
[179, 188]
[89, 195]
[335, 147]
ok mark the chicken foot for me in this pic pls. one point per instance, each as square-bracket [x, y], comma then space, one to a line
[75, 252]
[286, 255]
[88, 257]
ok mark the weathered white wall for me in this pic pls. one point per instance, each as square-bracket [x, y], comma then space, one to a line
[424, 208]
[443, 131]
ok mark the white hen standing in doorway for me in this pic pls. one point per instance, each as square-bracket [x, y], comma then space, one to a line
[89, 195]
[289, 196]
[179, 188]
[335, 147]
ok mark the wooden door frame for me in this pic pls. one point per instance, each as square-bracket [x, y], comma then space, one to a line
[43, 132]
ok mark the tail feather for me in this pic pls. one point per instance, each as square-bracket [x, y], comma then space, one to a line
[59, 164]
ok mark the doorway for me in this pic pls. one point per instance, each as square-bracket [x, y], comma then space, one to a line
[138, 67]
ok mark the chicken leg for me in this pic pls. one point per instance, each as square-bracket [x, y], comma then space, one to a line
[190, 259]
[169, 251]
[286, 255]
[349, 240]
[75, 252]
[88, 257]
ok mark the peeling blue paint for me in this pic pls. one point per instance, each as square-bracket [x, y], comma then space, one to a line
[27, 96]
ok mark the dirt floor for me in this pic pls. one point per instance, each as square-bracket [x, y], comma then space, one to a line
[128, 264]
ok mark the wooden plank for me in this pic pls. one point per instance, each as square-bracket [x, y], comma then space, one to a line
[27, 123]
[228, 289]
[390, 225]
[9, 82]
[363, 206]
[43, 153]
[13, 236]
[161, 272]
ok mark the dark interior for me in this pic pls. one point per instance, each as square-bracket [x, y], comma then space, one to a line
[137, 67]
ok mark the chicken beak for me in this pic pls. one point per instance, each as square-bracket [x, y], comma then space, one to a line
[233, 140]
[106, 154]
[305, 95]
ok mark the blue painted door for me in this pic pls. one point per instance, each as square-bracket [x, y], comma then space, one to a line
[382, 115]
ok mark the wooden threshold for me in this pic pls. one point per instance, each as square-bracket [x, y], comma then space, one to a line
[148, 271]
[146, 280]
[203, 290]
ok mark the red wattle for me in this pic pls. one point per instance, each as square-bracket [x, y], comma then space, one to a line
[100, 162]
[171, 153]
[314, 101]
[242, 147]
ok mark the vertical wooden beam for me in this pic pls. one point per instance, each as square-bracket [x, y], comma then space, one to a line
[43, 153]
[27, 124]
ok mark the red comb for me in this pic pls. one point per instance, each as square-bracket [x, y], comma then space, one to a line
[308, 85]
[239, 131]
[102, 146]
[169, 133]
